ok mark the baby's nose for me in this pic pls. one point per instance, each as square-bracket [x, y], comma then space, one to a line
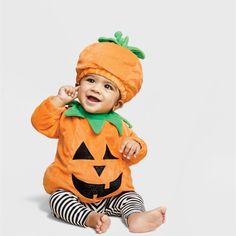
[96, 89]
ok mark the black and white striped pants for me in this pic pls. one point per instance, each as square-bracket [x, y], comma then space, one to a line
[66, 206]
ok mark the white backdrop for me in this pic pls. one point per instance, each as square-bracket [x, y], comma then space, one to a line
[184, 111]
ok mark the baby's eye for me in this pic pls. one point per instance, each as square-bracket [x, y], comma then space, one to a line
[108, 86]
[90, 80]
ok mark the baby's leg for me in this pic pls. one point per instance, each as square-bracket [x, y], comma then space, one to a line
[130, 206]
[146, 221]
[66, 206]
[125, 204]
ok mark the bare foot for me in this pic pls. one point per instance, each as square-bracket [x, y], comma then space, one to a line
[98, 221]
[146, 221]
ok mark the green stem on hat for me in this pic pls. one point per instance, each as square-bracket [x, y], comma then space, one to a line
[124, 43]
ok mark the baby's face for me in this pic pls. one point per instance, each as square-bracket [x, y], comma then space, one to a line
[98, 94]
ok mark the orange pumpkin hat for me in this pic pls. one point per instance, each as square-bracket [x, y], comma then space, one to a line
[115, 60]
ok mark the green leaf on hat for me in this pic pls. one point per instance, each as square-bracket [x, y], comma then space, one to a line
[124, 43]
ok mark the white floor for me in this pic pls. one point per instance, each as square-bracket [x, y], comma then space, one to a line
[29, 215]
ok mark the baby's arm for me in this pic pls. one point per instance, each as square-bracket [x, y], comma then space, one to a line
[46, 117]
[65, 95]
[133, 148]
[130, 148]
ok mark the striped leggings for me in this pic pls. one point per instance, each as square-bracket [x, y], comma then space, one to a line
[66, 206]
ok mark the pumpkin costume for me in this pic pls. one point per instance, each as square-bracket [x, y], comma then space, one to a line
[88, 162]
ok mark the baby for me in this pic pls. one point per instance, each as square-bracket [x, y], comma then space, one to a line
[90, 178]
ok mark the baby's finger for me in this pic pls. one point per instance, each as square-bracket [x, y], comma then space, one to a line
[131, 152]
[71, 92]
[137, 151]
[127, 148]
[74, 93]
[68, 90]
[126, 151]
[123, 145]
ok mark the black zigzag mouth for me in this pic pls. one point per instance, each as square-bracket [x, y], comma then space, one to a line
[89, 190]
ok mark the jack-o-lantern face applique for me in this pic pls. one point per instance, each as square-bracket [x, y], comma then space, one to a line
[93, 190]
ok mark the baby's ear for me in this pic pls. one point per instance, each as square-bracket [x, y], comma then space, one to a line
[117, 105]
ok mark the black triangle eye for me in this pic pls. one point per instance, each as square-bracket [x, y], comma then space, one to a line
[83, 153]
[108, 155]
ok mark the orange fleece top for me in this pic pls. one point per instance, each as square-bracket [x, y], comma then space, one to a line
[86, 164]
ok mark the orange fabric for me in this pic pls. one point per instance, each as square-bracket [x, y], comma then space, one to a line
[72, 132]
[114, 62]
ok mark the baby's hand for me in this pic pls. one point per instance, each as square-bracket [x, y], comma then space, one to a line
[66, 94]
[130, 148]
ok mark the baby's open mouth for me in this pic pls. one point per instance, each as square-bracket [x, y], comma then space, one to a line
[93, 99]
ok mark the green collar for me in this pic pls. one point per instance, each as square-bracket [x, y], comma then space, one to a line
[97, 120]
